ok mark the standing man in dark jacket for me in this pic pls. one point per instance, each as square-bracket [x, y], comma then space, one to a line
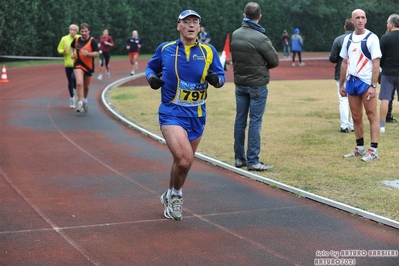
[285, 42]
[344, 111]
[253, 55]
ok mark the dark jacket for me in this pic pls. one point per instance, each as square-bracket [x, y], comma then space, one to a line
[253, 55]
[285, 40]
[390, 54]
[334, 54]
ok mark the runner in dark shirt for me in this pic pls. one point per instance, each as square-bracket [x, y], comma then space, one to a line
[133, 44]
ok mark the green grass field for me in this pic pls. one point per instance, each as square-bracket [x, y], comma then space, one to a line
[299, 136]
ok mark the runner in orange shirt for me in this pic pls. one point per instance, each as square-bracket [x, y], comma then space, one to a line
[86, 49]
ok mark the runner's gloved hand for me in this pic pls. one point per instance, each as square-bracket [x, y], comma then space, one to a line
[155, 82]
[212, 79]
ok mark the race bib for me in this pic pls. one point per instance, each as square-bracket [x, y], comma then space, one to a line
[191, 94]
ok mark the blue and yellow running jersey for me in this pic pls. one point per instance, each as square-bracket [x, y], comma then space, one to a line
[184, 69]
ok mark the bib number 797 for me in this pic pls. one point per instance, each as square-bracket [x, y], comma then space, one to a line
[192, 95]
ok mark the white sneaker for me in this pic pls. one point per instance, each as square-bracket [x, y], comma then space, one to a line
[100, 77]
[259, 167]
[165, 203]
[293, 64]
[382, 129]
[302, 64]
[356, 152]
[72, 103]
[85, 107]
[108, 75]
[79, 108]
[372, 155]
[174, 209]
[132, 73]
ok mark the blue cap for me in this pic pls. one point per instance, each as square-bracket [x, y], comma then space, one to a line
[296, 30]
[187, 13]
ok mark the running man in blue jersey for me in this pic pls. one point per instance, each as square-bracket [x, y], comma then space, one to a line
[183, 69]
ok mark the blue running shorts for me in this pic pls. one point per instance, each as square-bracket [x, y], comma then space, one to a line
[193, 125]
[354, 86]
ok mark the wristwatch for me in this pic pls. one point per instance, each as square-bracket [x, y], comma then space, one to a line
[374, 85]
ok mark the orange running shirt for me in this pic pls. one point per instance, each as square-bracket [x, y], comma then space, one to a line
[85, 63]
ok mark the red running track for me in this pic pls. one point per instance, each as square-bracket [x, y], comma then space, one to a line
[83, 189]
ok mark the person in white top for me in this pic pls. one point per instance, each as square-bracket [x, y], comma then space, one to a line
[359, 72]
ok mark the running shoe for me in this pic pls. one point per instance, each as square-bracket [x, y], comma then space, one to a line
[302, 64]
[79, 108]
[371, 155]
[132, 73]
[72, 103]
[108, 75]
[259, 167]
[85, 107]
[356, 152]
[174, 209]
[165, 202]
[382, 129]
[100, 77]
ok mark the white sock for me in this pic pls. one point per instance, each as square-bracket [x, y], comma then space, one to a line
[85, 100]
[177, 192]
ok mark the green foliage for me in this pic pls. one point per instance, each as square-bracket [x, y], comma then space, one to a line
[34, 27]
